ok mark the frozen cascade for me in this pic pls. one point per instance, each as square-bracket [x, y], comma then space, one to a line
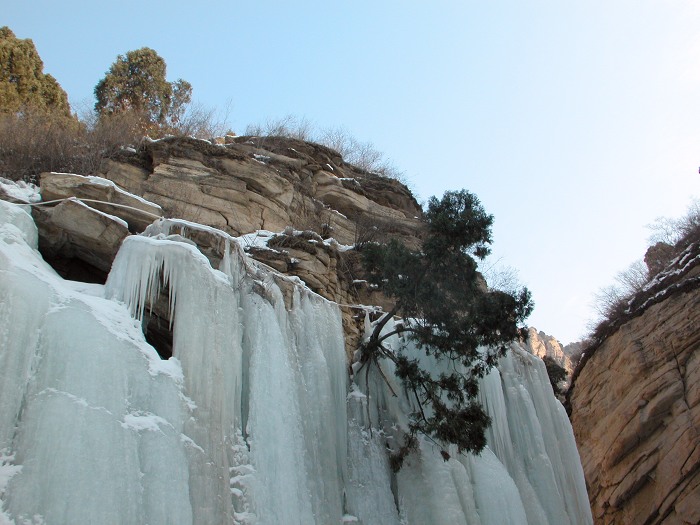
[90, 417]
[253, 419]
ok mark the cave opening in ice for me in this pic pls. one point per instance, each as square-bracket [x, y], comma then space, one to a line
[156, 321]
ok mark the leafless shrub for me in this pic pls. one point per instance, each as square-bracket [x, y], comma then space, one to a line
[366, 231]
[317, 219]
[337, 139]
[670, 237]
[363, 155]
[500, 277]
[108, 134]
[676, 232]
[663, 229]
[32, 142]
[203, 122]
[634, 278]
[611, 301]
[288, 126]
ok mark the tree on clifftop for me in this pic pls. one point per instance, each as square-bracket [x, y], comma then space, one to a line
[451, 315]
[136, 83]
[23, 84]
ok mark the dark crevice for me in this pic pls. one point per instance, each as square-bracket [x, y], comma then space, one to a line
[157, 321]
[159, 334]
[73, 269]
[156, 325]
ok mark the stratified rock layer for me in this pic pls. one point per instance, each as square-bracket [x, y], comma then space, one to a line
[635, 409]
[267, 184]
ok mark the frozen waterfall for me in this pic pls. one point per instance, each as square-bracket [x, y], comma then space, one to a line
[254, 419]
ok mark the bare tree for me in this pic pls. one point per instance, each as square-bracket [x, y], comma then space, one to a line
[611, 301]
[363, 155]
[499, 276]
[672, 231]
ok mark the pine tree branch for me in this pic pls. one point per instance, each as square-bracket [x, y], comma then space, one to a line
[420, 405]
[397, 331]
[369, 415]
[374, 338]
[385, 379]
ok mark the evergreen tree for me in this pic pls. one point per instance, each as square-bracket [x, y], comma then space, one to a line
[136, 82]
[451, 315]
[556, 373]
[23, 84]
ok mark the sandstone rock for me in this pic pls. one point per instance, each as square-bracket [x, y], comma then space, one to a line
[270, 183]
[635, 409]
[75, 230]
[125, 175]
[543, 345]
[137, 212]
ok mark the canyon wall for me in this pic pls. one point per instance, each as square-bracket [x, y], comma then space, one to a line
[635, 405]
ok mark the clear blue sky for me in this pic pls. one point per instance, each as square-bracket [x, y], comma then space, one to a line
[576, 123]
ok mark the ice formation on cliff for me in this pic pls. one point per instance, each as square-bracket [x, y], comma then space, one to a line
[253, 419]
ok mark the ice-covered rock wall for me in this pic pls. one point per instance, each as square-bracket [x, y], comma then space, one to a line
[529, 473]
[253, 419]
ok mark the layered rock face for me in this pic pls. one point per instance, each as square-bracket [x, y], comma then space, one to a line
[635, 406]
[266, 184]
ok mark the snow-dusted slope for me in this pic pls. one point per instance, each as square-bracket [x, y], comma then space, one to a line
[254, 419]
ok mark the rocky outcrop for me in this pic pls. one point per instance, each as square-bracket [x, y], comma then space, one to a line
[658, 256]
[573, 351]
[102, 195]
[635, 405]
[80, 238]
[543, 345]
[305, 191]
[266, 184]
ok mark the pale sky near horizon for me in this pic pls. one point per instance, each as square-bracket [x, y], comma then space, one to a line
[576, 123]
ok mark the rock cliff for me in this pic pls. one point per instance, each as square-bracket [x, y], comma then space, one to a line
[635, 404]
[266, 184]
[543, 345]
[301, 198]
